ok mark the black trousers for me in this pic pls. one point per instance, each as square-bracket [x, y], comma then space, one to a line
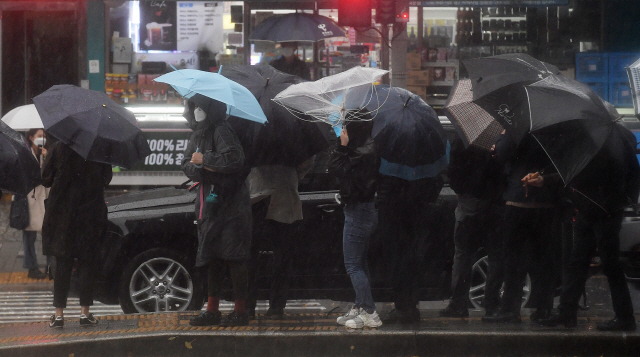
[471, 233]
[62, 281]
[279, 238]
[529, 239]
[238, 272]
[603, 234]
[405, 231]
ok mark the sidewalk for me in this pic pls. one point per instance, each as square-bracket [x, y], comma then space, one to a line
[169, 334]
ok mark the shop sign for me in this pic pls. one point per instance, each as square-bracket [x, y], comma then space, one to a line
[482, 3]
[167, 151]
[178, 60]
[181, 25]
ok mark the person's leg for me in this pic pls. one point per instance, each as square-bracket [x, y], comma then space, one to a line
[30, 258]
[215, 276]
[61, 286]
[467, 236]
[258, 238]
[495, 262]
[238, 272]
[282, 235]
[608, 237]
[543, 257]
[359, 225]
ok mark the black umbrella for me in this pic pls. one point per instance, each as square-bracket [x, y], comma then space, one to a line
[285, 139]
[19, 169]
[566, 117]
[611, 180]
[406, 130]
[92, 124]
[296, 27]
[488, 74]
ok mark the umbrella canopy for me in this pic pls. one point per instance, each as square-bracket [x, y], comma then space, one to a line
[24, 117]
[407, 132]
[488, 74]
[328, 99]
[19, 169]
[566, 117]
[611, 180]
[92, 124]
[284, 139]
[296, 27]
[240, 103]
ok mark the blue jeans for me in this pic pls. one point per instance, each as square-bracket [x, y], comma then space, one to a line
[360, 221]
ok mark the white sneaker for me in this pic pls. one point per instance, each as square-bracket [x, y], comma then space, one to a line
[348, 316]
[364, 319]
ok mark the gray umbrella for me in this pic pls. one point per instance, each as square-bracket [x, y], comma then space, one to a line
[296, 27]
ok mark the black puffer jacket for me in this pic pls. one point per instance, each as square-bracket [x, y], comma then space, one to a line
[357, 169]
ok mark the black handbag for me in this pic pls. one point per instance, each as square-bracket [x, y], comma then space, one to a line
[19, 215]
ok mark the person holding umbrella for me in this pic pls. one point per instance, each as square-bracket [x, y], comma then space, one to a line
[290, 63]
[609, 183]
[355, 163]
[35, 140]
[215, 160]
[75, 219]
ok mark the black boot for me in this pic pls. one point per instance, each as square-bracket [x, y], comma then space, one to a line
[207, 318]
[235, 319]
[568, 319]
[452, 311]
[503, 317]
[540, 314]
[618, 324]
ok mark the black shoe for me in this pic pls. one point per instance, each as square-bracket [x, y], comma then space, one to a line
[235, 319]
[88, 320]
[568, 320]
[56, 321]
[207, 318]
[540, 314]
[503, 317]
[274, 314]
[618, 324]
[35, 273]
[402, 316]
[451, 311]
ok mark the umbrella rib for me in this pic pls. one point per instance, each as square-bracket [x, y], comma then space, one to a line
[550, 159]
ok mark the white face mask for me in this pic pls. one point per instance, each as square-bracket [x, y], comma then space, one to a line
[287, 51]
[39, 141]
[199, 114]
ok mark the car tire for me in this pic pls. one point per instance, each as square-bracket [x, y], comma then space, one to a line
[479, 280]
[159, 280]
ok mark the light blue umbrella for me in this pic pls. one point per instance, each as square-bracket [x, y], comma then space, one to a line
[239, 100]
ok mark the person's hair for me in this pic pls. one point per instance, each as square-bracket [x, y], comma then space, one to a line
[30, 133]
[359, 125]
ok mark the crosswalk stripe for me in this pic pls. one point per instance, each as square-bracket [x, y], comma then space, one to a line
[34, 306]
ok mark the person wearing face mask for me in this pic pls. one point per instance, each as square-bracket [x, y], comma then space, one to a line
[215, 160]
[35, 140]
[290, 63]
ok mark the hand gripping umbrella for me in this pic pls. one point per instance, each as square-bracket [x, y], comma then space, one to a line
[328, 99]
[92, 124]
[19, 169]
[284, 139]
[408, 134]
[240, 102]
[296, 27]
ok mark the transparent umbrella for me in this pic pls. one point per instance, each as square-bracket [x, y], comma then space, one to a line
[330, 98]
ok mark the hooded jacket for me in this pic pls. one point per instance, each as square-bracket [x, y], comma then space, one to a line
[224, 226]
[357, 169]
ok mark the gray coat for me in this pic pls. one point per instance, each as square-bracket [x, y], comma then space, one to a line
[224, 227]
